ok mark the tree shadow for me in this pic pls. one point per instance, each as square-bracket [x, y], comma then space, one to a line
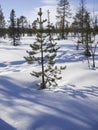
[46, 111]
[76, 114]
[69, 55]
[5, 126]
[19, 62]
[83, 93]
[3, 65]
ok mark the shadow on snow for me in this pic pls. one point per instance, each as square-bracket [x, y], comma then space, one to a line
[5, 126]
[50, 111]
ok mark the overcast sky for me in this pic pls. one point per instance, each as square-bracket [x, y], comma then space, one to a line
[29, 8]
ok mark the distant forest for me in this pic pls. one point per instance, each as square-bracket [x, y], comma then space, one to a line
[82, 21]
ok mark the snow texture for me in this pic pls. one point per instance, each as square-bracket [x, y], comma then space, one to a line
[73, 105]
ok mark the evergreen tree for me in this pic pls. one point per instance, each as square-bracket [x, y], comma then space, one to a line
[34, 24]
[29, 30]
[83, 24]
[23, 23]
[93, 45]
[87, 31]
[46, 48]
[95, 25]
[63, 12]
[79, 18]
[18, 29]
[2, 23]
[12, 27]
[87, 34]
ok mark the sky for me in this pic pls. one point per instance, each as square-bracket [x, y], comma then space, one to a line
[29, 8]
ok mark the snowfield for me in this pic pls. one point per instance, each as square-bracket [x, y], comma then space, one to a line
[73, 105]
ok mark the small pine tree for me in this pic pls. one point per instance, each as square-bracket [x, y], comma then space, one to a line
[12, 28]
[46, 47]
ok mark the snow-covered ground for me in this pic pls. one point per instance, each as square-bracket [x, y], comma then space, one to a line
[73, 105]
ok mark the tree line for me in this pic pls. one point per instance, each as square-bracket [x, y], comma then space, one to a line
[21, 26]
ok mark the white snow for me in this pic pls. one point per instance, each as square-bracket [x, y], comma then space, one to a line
[73, 105]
